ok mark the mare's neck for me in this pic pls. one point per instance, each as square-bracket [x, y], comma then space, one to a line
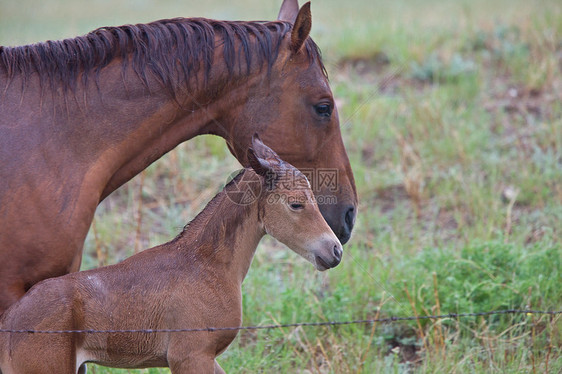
[158, 122]
[122, 120]
[120, 100]
[225, 235]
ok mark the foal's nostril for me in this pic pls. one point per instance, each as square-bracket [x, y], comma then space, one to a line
[337, 252]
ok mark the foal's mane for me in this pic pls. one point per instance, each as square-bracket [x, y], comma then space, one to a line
[219, 220]
[171, 50]
[223, 215]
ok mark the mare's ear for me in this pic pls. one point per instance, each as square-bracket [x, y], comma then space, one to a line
[301, 29]
[289, 10]
[301, 20]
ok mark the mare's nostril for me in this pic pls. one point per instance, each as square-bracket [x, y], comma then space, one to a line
[349, 215]
[345, 226]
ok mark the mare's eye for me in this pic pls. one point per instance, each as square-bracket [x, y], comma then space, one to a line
[323, 110]
[296, 206]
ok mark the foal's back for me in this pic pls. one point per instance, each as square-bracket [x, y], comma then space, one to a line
[131, 295]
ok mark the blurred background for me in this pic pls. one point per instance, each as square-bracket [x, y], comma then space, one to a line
[451, 112]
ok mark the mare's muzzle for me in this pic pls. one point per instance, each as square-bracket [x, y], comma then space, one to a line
[341, 220]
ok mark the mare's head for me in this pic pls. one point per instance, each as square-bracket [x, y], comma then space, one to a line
[294, 100]
[288, 209]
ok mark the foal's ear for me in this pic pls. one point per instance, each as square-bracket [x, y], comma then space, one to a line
[261, 166]
[301, 28]
[263, 151]
[263, 160]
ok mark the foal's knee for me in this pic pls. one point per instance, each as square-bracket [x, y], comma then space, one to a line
[9, 296]
[218, 369]
[195, 364]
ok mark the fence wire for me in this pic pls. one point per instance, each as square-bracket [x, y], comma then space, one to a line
[285, 325]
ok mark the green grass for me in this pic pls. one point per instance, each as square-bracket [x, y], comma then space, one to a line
[444, 107]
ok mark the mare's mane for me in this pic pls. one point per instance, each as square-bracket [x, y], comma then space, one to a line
[171, 50]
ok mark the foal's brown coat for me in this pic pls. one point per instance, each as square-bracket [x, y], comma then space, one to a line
[80, 117]
[194, 281]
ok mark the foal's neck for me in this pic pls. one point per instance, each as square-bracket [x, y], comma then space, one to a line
[226, 233]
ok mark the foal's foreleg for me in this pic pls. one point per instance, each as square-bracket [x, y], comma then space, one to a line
[9, 294]
[194, 365]
[218, 369]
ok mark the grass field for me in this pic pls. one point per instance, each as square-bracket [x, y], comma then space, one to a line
[451, 113]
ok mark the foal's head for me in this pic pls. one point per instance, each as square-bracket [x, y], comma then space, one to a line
[288, 209]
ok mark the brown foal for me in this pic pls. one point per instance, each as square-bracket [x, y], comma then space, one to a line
[193, 281]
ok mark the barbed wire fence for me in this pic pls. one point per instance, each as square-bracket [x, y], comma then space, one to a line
[297, 324]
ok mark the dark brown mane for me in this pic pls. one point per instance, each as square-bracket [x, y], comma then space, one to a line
[171, 50]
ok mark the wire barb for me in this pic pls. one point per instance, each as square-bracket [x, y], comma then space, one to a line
[297, 324]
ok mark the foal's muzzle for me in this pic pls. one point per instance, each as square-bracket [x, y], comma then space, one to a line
[329, 255]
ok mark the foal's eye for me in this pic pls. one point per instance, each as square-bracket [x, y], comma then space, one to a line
[296, 206]
[323, 110]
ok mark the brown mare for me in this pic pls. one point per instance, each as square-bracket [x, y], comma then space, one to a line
[193, 281]
[80, 117]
